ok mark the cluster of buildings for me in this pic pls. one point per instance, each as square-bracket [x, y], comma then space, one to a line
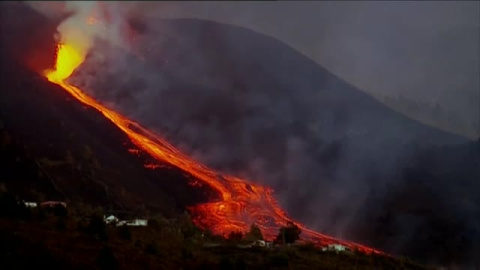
[336, 248]
[45, 204]
[111, 219]
[332, 247]
[328, 248]
[257, 243]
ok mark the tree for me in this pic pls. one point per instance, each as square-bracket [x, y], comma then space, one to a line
[254, 234]
[60, 225]
[125, 233]
[279, 260]
[152, 248]
[225, 263]
[235, 236]
[106, 259]
[288, 234]
[187, 227]
[41, 215]
[97, 227]
[10, 207]
[60, 211]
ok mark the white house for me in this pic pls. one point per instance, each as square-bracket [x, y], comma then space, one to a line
[335, 247]
[30, 204]
[110, 219]
[121, 223]
[259, 243]
[138, 222]
[133, 222]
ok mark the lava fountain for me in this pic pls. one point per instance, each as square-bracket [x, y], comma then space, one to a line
[241, 202]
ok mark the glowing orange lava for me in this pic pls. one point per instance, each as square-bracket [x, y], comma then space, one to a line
[242, 202]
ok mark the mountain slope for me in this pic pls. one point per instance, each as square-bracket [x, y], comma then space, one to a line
[247, 103]
[217, 89]
[89, 166]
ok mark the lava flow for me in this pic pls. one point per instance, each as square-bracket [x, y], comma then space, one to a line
[241, 202]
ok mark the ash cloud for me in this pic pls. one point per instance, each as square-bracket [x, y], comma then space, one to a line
[248, 105]
[85, 21]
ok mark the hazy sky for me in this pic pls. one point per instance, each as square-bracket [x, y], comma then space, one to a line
[423, 50]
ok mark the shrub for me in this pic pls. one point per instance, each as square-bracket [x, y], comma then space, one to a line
[307, 247]
[153, 223]
[235, 236]
[106, 259]
[240, 264]
[225, 263]
[186, 254]
[60, 225]
[138, 244]
[279, 260]
[288, 234]
[11, 208]
[60, 211]
[157, 223]
[41, 215]
[187, 227]
[151, 248]
[97, 227]
[125, 233]
[254, 234]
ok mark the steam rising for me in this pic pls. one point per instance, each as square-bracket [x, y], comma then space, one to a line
[87, 22]
[71, 30]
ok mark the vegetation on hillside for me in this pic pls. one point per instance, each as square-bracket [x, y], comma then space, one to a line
[78, 238]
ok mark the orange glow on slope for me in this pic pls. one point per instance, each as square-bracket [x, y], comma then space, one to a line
[68, 59]
[242, 202]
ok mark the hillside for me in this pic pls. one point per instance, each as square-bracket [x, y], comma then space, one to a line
[242, 102]
[56, 132]
[246, 103]
[47, 139]
[78, 239]
[434, 115]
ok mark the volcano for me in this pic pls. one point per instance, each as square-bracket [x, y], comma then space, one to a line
[345, 120]
[240, 202]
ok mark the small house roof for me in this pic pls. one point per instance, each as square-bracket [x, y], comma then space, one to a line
[54, 203]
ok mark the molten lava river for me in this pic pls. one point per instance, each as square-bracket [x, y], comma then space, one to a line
[241, 203]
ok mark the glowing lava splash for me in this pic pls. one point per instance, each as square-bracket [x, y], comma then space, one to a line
[241, 202]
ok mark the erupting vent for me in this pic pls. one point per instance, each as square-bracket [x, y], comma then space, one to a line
[242, 202]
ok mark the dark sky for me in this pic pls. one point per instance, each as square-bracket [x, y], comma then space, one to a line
[422, 50]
